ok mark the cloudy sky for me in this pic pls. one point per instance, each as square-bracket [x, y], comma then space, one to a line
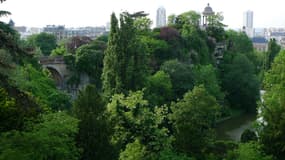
[76, 13]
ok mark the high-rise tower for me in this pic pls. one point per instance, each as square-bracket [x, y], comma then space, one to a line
[161, 17]
[248, 23]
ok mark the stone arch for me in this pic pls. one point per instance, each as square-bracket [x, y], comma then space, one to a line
[56, 76]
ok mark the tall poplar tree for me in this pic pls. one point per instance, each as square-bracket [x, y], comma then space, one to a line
[133, 59]
[125, 62]
[111, 79]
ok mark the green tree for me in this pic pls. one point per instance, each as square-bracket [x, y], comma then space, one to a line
[272, 127]
[158, 50]
[89, 60]
[238, 42]
[10, 42]
[133, 151]
[125, 63]
[193, 118]
[132, 58]
[59, 51]
[93, 135]
[159, 90]
[207, 75]
[4, 13]
[132, 119]
[142, 25]
[196, 44]
[171, 155]
[15, 107]
[103, 38]
[175, 43]
[273, 50]
[40, 85]
[6, 62]
[257, 58]
[215, 27]
[75, 42]
[52, 138]
[8, 109]
[248, 151]
[46, 42]
[190, 18]
[171, 20]
[111, 81]
[181, 76]
[248, 136]
[239, 82]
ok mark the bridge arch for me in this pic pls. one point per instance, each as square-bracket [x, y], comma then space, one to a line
[56, 76]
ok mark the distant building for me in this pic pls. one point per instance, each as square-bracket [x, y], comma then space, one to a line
[20, 29]
[11, 23]
[58, 31]
[108, 26]
[161, 17]
[276, 33]
[91, 32]
[248, 19]
[34, 30]
[259, 32]
[63, 33]
[248, 23]
[260, 44]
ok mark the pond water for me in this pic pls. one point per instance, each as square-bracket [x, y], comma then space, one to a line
[233, 128]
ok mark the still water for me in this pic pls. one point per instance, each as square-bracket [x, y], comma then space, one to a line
[232, 129]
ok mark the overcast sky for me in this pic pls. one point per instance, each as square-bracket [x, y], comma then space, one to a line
[76, 13]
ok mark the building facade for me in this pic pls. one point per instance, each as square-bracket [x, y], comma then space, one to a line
[63, 33]
[260, 44]
[58, 31]
[161, 17]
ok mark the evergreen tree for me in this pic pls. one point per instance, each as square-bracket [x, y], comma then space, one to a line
[125, 63]
[240, 82]
[93, 131]
[132, 57]
[111, 80]
[273, 50]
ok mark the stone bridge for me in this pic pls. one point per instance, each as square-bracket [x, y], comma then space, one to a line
[57, 68]
[61, 74]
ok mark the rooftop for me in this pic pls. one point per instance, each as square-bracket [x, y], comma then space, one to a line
[208, 10]
[259, 40]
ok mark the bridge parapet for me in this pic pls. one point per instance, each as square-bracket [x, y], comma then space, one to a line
[51, 60]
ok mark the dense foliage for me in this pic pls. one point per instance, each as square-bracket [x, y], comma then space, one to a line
[193, 118]
[46, 42]
[272, 125]
[150, 94]
[51, 138]
[240, 82]
[93, 135]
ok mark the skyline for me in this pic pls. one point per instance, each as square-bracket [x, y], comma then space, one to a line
[91, 13]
